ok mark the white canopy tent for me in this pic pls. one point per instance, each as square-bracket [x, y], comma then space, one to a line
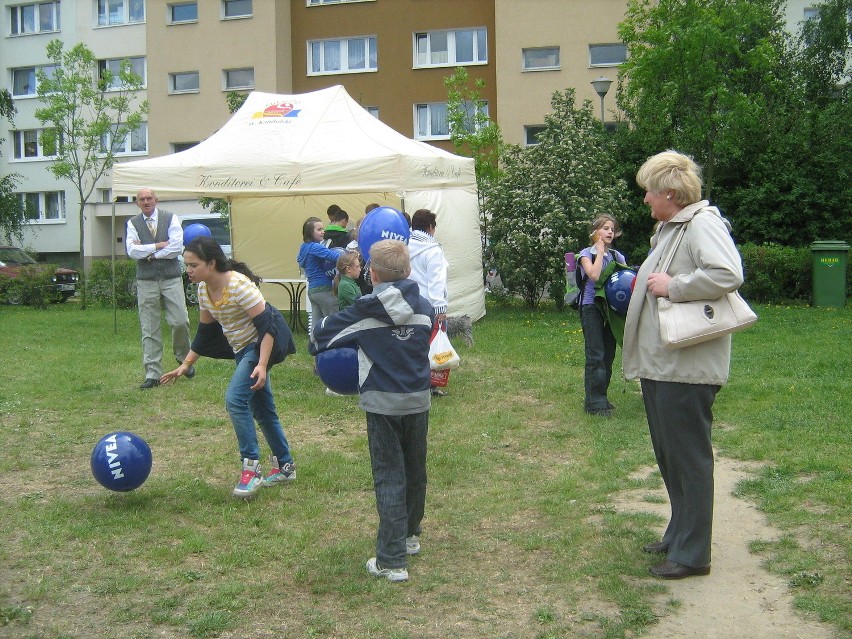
[283, 158]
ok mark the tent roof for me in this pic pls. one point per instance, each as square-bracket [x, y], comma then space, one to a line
[318, 142]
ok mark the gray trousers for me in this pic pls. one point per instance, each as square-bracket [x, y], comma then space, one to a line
[153, 297]
[398, 457]
[680, 419]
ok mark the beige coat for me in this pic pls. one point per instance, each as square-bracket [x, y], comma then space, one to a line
[706, 265]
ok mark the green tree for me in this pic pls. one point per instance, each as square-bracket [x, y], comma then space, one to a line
[12, 216]
[546, 196]
[87, 111]
[474, 135]
[700, 76]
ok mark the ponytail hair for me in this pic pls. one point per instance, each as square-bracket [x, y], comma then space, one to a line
[207, 249]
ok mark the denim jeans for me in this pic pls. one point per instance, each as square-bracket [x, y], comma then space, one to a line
[600, 353]
[245, 406]
[398, 457]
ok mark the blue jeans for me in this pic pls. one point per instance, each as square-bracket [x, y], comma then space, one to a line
[600, 353]
[398, 457]
[245, 406]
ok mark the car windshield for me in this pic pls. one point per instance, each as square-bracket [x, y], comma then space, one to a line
[10, 256]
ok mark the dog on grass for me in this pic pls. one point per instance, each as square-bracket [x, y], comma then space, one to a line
[462, 327]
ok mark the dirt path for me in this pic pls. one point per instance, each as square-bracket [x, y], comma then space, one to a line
[739, 599]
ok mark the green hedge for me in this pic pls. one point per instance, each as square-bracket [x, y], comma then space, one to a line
[33, 286]
[99, 283]
[777, 274]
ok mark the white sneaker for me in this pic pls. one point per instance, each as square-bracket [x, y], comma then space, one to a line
[331, 393]
[251, 479]
[280, 472]
[391, 574]
[412, 545]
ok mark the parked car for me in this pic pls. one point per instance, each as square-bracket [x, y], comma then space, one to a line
[12, 258]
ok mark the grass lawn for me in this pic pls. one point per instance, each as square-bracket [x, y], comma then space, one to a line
[520, 538]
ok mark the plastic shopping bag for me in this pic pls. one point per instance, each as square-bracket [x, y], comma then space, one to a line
[442, 355]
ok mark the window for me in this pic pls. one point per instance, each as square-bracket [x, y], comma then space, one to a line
[431, 121]
[29, 145]
[352, 55]
[41, 17]
[607, 55]
[450, 48]
[184, 82]
[113, 66]
[531, 133]
[111, 12]
[25, 81]
[312, 3]
[541, 59]
[471, 123]
[236, 8]
[133, 143]
[372, 110]
[46, 206]
[239, 79]
[182, 12]
[177, 147]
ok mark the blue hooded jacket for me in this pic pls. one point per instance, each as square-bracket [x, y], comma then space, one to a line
[311, 259]
[391, 329]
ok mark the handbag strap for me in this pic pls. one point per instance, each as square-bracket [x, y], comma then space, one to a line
[675, 243]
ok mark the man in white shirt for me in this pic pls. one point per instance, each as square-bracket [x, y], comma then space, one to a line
[154, 239]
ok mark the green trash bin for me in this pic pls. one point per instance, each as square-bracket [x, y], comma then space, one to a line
[829, 273]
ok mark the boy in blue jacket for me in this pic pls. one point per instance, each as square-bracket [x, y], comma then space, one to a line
[391, 329]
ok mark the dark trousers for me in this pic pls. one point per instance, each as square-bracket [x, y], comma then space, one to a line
[680, 418]
[398, 457]
[600, 353]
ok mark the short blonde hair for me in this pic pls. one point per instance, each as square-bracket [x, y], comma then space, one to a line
[389, 259]
[672, 171]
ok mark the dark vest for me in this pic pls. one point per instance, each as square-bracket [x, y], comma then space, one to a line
[155, 269]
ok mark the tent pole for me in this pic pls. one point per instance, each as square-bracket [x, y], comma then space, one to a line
[112, 266]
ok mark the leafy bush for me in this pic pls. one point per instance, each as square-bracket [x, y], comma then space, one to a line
[777, 274]
[99, 283]
[33, 286]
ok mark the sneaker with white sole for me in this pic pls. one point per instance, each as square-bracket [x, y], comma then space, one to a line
[251, 479]
[391, 574]
[280, 473]
[332, 393]
[412, 545]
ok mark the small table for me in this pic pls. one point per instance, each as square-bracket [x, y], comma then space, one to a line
[294, 288]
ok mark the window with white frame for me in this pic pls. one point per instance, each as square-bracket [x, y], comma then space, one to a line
[44, 206]
[450, 48]
[607, 55]
[474, 115]
[531, 133]
[112, 12]
[177, 147]
[431, 121]
[184, 82]
[541, 58]
[239, 79]
[133, 143]
[113, 67]
[182, 12]
[348, 55]
[25, 80]
[39, 17]
[236, 9]
[29, 144]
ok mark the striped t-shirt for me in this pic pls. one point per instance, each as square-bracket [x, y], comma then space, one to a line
[239, 295]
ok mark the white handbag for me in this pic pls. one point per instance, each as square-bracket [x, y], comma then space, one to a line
[688, 323]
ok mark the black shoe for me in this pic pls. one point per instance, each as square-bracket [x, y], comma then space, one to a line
[190, 372]
[600, 412]
[673, 570]
[437, 392]
[656, 547]
[149, 383]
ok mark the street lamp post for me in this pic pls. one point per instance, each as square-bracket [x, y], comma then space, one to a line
[601, 86]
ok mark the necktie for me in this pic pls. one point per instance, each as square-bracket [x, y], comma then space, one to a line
[151, 227]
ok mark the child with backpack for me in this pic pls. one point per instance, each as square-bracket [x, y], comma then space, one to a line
[599, 340]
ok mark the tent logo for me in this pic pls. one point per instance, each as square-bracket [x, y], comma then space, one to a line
[277, 110]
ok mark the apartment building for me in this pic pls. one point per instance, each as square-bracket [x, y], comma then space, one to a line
[391, 55]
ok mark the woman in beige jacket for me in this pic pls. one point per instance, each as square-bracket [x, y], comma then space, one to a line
[679, 386]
